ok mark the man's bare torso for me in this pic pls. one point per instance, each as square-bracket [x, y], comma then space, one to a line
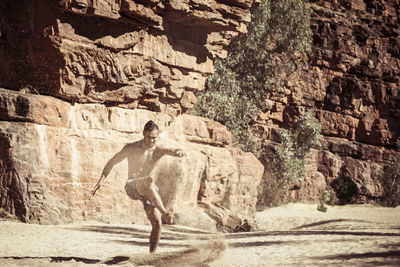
[141, 160]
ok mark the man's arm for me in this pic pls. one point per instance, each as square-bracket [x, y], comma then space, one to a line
[180, 153]
[110, 164]
[176, 152]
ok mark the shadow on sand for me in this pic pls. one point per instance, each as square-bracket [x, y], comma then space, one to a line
[213, 245]
[55, 259]
[199, 255]
[390, 258]
[170, 232]
[324, 223]
[176, 233]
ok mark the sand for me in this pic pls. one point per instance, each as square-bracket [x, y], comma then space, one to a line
[296, 234]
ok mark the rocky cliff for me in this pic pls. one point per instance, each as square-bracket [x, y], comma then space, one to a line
[353, 88]
[137, 54]
[54, 152]
[83, 77]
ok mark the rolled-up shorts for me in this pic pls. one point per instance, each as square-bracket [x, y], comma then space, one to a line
[136, 189]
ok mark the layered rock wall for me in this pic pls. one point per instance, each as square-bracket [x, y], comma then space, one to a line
[83, 77]
[353, 88]
[53, 154]
[138, 54]
[111, 65]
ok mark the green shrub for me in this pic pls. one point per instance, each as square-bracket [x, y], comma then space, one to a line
[390, 181]
[287, 165]
[223, 101]
[327, 197]
[276, 45]
[322, 207]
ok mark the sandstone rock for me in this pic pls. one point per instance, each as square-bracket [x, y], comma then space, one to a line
[357, 181]
[147, 54]
[226, 222]
[154, 55]
[50, 165]
[314, 182]
[329, 165]
[336, 124]
[210, 132]
[352, 87]
[312, 187]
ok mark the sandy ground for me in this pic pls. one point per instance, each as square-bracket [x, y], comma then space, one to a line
[296, 234]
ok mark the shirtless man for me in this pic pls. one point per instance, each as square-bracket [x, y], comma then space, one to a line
[142, 156]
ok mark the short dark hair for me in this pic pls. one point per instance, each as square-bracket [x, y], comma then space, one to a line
[150, 126]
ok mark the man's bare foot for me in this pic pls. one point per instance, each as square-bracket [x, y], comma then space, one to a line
[168, 218]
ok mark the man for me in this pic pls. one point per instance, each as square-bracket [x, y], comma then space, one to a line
[142, 156]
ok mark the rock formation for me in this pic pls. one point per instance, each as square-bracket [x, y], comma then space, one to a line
[82, 78]
[137, 54]
[353, 87]
[53, 153]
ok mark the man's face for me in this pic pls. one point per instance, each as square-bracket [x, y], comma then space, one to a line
[150, 137]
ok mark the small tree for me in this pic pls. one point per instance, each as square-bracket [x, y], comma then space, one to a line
[390, 180]
[277, 42]
[327, 197]
[276, 45]
[287, 165]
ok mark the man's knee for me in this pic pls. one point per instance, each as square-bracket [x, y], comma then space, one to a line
[149, 185]
[153, 188]
[149, 181]
[156, 222]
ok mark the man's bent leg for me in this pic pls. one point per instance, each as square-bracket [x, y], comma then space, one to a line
[154, 217]
[149, 190]
[154, 197]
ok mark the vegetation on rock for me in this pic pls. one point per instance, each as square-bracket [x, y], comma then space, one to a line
[327, 197]
[390, 180]
[287, 166]
[276, 45]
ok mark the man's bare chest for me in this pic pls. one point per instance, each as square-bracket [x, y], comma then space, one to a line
[143, 157]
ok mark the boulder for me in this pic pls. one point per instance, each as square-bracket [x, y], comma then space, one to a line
[148, 54]
[53, 153]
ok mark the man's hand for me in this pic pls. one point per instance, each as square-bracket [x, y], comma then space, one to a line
[97, 186]
[180, 153]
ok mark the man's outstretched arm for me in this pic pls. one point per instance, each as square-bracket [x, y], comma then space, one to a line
[176, 152]
[107, 168]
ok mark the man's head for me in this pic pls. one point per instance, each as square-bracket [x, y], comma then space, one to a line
[150, 133]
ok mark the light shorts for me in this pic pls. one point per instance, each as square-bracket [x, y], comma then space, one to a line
[135, 188]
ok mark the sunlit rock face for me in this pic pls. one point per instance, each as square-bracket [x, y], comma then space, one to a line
[111, 66]
[53, 153]
[353, 88]
[138, 54]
